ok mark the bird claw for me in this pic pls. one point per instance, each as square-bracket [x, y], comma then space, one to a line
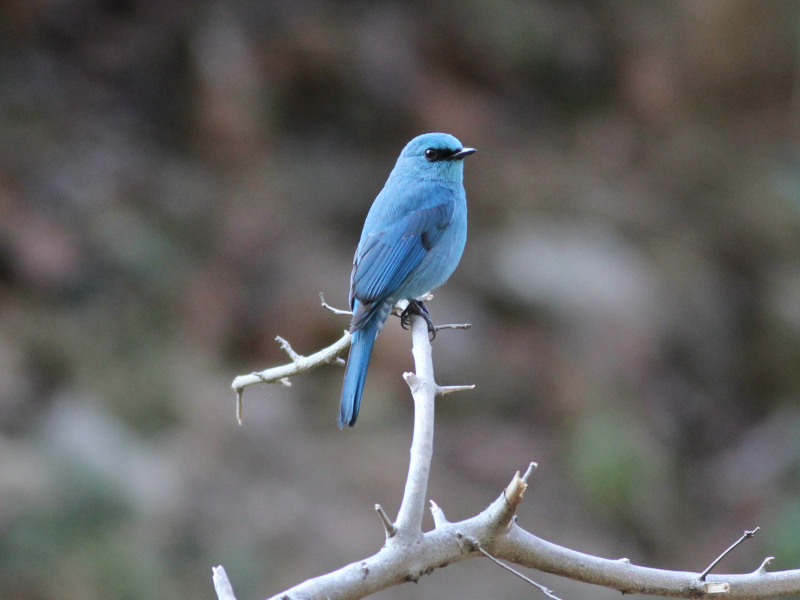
[417, 308]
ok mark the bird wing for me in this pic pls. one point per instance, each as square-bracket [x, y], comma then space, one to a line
[388, 256]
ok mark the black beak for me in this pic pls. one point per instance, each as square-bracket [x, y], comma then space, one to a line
[461, 154]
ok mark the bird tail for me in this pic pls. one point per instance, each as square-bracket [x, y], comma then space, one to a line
[356, 372]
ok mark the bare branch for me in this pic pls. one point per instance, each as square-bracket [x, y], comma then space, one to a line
[423, 389]
[398, 562]
[527, 550]
[299, 365]
[336, 311]
[409, 553]
[222, 584]
[714, 563]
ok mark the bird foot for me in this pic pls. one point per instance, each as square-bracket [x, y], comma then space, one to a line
[418, 308]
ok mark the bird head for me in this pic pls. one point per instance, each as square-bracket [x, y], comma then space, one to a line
[434, 156]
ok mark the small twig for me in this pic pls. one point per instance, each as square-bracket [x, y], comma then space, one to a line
[453, 326]
[239, 407]
[299, 364]
[745, 535]
[222, 584]
[763, 568]
[547, 592]
[441, 390]
[439, 518]
[336, 311]
[388, 526]
[287, 347]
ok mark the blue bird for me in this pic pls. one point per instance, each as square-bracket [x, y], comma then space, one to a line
[411, 243]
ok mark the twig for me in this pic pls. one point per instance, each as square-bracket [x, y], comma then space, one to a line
[336, 311]
[763, 568]
[222, 584]
[453, 326]
[302, 364]
[287, 347]
[547, 592]
[388, 526]
[745, 535]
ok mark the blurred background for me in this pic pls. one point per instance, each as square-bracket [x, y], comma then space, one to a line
[180, 180]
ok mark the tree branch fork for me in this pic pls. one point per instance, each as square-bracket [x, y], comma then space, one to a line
[409, 553]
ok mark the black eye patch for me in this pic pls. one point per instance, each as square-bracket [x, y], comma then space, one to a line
[434, 154]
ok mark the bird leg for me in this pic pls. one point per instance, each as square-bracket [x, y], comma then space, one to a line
[418, 308]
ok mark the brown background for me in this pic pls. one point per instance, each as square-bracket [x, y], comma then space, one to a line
[179, 180]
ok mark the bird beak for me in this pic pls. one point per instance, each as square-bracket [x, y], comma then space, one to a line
[461, 153]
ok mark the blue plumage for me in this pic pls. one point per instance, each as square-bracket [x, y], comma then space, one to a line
[411, 243]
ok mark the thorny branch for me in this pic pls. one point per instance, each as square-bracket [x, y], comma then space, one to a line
[330, 355]
[408, 553]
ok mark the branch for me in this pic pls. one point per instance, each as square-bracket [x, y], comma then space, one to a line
[335, 311]
[423, 389]
[527, 550]
[300, 364]
[408, 553]
[453, 542]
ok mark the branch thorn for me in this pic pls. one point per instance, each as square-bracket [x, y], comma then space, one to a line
[222, 584]
[763, 568]
[441, 390]
[439, 519]
[388, 526]
[412, 380]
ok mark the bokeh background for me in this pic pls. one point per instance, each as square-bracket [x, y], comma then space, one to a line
[179, 180]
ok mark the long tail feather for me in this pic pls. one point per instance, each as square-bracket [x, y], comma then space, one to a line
[356, 373]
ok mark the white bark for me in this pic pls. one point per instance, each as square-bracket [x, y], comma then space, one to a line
[409, 553]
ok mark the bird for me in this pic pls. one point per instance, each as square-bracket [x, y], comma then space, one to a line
[411, 242]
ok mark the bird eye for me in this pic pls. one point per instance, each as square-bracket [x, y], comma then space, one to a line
[431, 154]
